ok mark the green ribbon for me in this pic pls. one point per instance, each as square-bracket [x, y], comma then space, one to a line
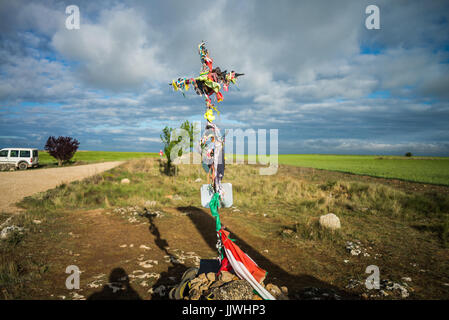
[213, 205]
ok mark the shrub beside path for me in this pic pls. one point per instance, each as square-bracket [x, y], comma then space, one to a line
[16, 185]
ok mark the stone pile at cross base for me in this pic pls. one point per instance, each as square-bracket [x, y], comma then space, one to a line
[224, 286]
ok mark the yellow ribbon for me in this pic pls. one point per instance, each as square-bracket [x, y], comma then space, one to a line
[209, 115]
[174, 85]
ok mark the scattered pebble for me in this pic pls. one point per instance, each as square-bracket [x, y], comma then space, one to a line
[148, 263]
[179, 257]
[125, 181]
[6, 231]
[387, 288]
[355, 248]
[408, 279]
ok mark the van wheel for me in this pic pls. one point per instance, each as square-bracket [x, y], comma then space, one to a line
[23, 166]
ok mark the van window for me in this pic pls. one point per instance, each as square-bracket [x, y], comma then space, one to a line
[14, 153]
[25, 153]
[35, 154]
[3, 153]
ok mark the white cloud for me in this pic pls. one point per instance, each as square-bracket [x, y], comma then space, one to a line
[116, 52]
[148, 139]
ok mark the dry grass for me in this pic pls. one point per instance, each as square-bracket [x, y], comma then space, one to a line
[405, 227]
[291, 198]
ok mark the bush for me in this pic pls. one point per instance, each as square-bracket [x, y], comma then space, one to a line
[61, 148]
[408, 154]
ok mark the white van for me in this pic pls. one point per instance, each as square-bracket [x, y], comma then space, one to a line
[21, 158]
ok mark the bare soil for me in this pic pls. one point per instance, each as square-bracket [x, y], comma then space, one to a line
[103, 244]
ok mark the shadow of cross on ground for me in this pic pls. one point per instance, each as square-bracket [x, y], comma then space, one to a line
[300, 286]
[163, 285]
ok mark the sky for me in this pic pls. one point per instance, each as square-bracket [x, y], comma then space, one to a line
[313, 71]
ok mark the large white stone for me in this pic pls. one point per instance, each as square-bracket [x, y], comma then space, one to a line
[330, 221]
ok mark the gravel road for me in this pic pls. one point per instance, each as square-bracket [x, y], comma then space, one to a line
[16, 185]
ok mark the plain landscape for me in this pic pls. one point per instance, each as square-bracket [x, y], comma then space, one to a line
[394, 214]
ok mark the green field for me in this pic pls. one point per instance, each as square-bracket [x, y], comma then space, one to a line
[433, 170]
[96, 156]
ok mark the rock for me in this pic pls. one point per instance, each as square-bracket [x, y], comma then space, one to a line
[205, 286]
[8, 230]
[202, 277]
[407, 279]
[330, 221]
[226, 276]
[37, 221]
[216, 284]
[76, 296]
[274, 289]
[211, 276]
[276, 292]
[176, 197]
[198, 180]
[284, 290]
[355, 248]
[125, 181]
[234, 290]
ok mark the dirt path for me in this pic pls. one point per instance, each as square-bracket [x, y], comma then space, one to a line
[16, 185]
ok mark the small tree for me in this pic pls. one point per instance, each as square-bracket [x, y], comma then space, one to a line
[408, 154]
[168, 146]
[62, 148]
[190, 129]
